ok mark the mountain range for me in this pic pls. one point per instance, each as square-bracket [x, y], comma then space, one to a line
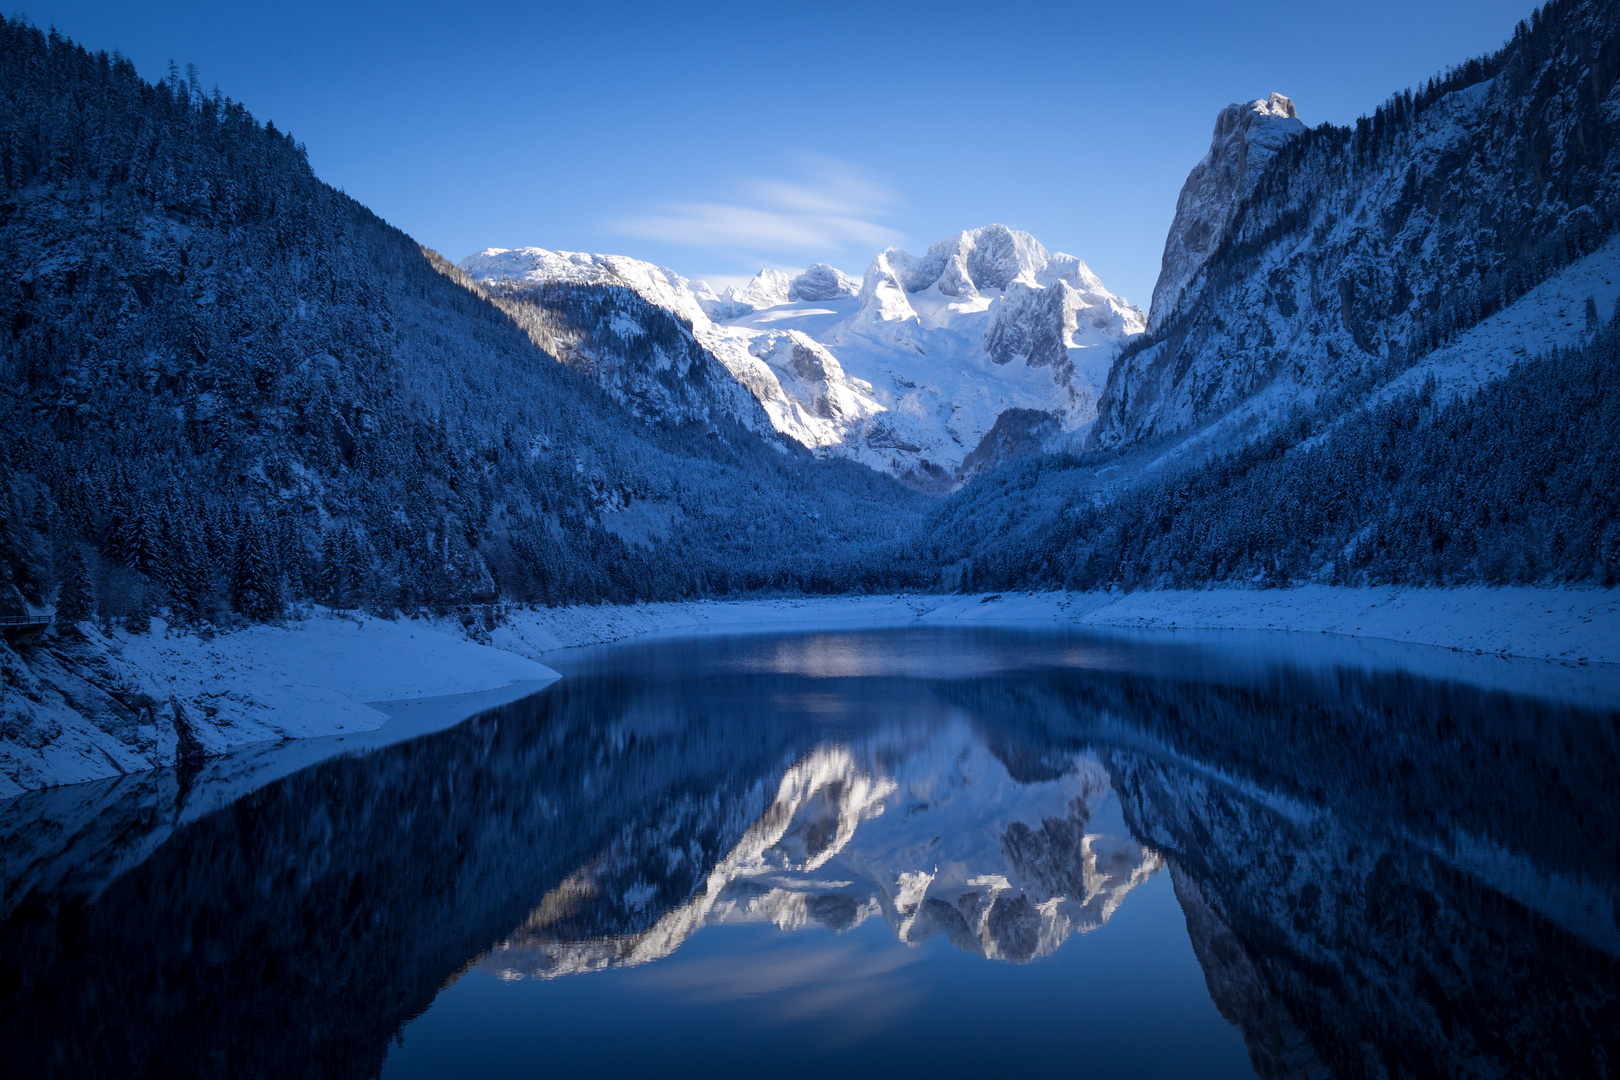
[1306, 271]
[1377, 353]
[926, 368]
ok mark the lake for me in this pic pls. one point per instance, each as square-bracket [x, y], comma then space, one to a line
[948, 852]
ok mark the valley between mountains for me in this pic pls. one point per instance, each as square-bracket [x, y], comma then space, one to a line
[241, 409]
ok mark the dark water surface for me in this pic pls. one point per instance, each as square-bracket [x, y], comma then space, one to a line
[930, 852]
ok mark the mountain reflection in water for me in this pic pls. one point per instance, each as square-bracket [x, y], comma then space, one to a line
[931, 835]
[1380, 873]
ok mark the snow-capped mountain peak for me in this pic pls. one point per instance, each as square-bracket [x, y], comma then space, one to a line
[820, 283]
[538, 266]
[990, 258]
[767, 289]
[906, 370]
[772, 288]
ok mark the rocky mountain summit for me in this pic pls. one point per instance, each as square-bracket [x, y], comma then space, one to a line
[907, 370]
[770, 288]
[1247, 136]
[1316, 265]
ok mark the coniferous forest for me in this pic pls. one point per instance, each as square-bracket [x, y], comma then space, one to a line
[232, 387]
[1516, 484]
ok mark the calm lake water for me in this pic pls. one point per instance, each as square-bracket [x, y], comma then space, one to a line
[943, 853]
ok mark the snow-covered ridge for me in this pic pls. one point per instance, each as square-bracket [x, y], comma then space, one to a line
[1307, 266]
[806, 398]
[905, 370]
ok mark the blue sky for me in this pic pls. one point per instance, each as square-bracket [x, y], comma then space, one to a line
[717, 139]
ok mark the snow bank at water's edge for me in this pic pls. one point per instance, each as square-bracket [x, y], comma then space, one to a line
[121, 703]
[1552, 623]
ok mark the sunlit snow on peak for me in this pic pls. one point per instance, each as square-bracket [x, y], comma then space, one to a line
[906, 369]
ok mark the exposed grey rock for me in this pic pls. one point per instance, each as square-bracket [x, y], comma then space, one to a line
[1247, 136]
[821, 282]
[1018, 432]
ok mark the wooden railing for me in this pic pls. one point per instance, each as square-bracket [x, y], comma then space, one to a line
[19, 624]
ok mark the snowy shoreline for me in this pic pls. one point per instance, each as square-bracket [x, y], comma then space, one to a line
[1568, 624]
[344, 676]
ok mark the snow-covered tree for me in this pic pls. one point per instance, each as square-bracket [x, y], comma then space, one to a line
[255, 584]
[76, 600]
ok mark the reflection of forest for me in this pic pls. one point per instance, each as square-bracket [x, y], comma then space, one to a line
[1381, 876]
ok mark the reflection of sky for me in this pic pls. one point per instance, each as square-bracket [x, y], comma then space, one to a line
[849, 656]
[803, 979]
[748, 1000]
[1218, 657]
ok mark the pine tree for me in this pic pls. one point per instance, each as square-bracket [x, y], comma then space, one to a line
[343, 566]
[134, 538]
[139, 621]
[77, 599]
[255, 588]
[185, 569]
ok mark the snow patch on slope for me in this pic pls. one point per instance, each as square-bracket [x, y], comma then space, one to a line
[1551, 315]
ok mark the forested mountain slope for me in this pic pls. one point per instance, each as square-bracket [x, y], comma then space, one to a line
[1359, 249]
[1395, 367]
[1517, 482]
[228, 386]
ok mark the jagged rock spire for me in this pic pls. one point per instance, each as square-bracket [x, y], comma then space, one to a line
[1247, 136]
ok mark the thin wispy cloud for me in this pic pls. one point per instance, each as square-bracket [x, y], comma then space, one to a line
[829, 206]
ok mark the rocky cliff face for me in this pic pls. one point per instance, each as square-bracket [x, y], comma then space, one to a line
[820, 283]
[1247, 136]
[1318, 264]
